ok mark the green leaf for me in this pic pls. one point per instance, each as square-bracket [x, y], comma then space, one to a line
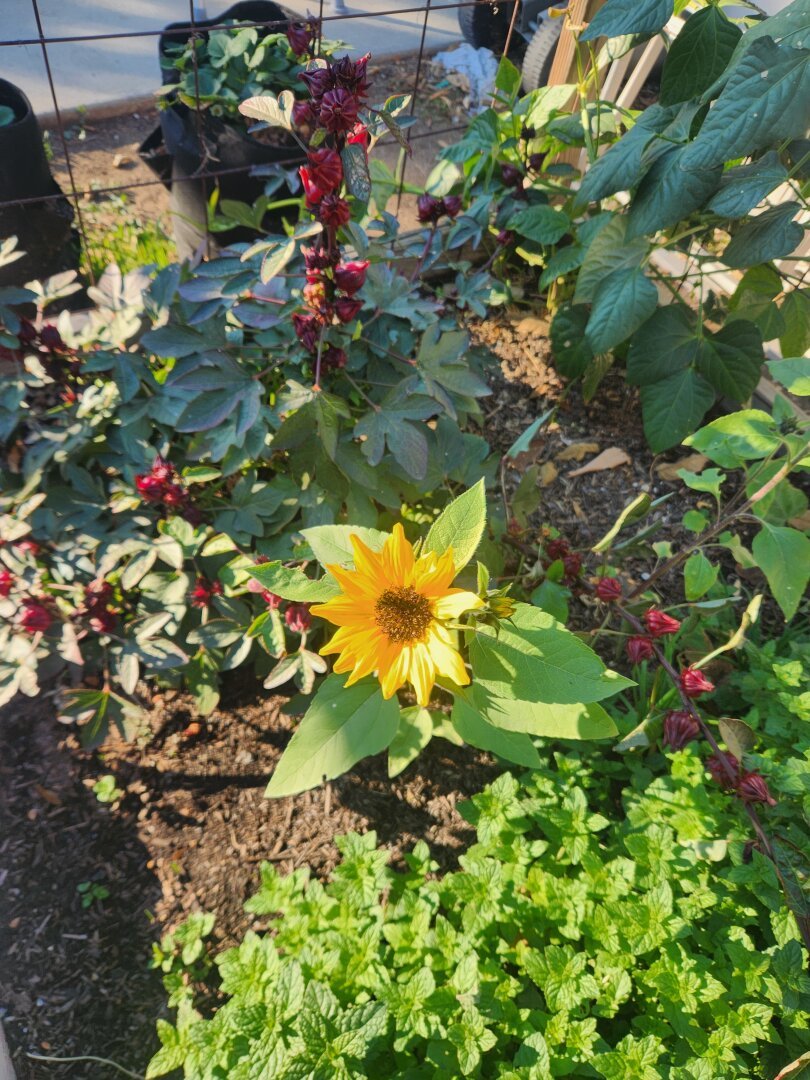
[532, 658]
[783, 555]
[414, 732]
[666, 343]
[710, 481]
[553, 598]
[793, 373]
[669, 193]
[628, 17]
[542, 224]
[276, 259]
[763, 102]
[739, 437]
[571, 349]
[754, 297]
[355, 170]
[698, 576]
[331, 544]
[732, 359]
[552, 721]
[524, 441]
[276, 111]
[294, 584]
[772, 234]
[634, 511]
[795, 338]
[341, 726]
[621, 167]
[216, 634]
[622, 302]
[673, 408]
[173, 341]
[609, 250]
[698, 55]
[745, 186]
[476, 731]
[460, 526]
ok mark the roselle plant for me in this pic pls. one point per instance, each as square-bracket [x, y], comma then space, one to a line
[703, 167]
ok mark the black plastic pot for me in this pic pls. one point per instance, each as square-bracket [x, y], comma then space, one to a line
[188, 143]
[43, 230]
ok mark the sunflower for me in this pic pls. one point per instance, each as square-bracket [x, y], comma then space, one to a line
[392, 613]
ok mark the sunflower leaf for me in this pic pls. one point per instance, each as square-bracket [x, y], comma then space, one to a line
[460, 526]
[293, 584]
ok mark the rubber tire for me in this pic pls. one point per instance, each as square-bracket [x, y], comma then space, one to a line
[485, 25]
[540, 53]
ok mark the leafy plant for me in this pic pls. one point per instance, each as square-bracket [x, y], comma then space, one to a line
[647, 945]
[106, 790]
[92, 892]
[700, 167]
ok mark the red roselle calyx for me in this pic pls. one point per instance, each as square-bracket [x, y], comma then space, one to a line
[334, 211]
[608, 589]
[203, 591]
[338, 110]
[693, 683]
[35, 617]
[351, 276]
[347, 309]
[333, 358]
[6, 582]
[680, 727]
[659, 624]
[298, 618]
[300, 38]
[719, 772]
[271, 599]
[639, 649]
[325, 168]
[752, 788]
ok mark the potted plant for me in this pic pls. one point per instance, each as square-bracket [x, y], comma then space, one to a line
[44, 230]
[206, 76]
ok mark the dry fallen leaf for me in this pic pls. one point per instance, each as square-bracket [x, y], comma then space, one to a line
[580, 513]
[531, 325]
[548, 473]
[611, 458]
[123, 161]
[48, 795]
[668, 470]
[577, 451]
[801, 522]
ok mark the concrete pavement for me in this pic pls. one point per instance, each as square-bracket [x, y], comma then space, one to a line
[93, 73]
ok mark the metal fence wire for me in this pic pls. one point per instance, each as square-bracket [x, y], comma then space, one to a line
[327, 21]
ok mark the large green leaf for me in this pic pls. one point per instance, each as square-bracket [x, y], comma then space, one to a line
[665, 344]
[773, 234]
[460, 526]
[533, 658]
[795, 338]
[629, 17]
[763, 102]
[608, 251]
[739, 437]
[620, 168]
[783, 555]
[732, 359]
[673, 408]
[745, 186]
[669, 193]
[754, 299]
[571, 349]
[331, 544]
[475, 730]
[622, 302]
[414, 732]
[698, 55]
[790, 26]
[341, 726]
[552, 721]
[542, 223]
[293, 584]
[698, 576]
[793, 373]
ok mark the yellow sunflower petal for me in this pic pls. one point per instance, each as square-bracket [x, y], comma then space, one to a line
[446, 659]
[455, 602]
[345, 611]
[352, 583]
[393, 671]
[368, 563]
[433, 574]
[397, 558]
[421, 672]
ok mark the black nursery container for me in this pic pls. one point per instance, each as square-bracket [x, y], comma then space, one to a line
[44, 230]
[187, 143]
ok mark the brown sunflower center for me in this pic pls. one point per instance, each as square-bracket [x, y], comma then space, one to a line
[403, 614]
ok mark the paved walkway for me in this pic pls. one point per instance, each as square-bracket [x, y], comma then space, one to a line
[98, 72]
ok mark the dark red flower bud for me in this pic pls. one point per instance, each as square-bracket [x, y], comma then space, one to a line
[297, 617]
[349, 277]
[511, 175]
[318, 80]
[428, 209]
[193, 515]
[325, 168]
[27, 332]
[303, 114]
[504, 237]
[557, 549]
[753, 788]
[536, 162]
[50, 338]
[334, 211]
[719, 772]
[573, 566]
[660, 624]
[313, 193]
[203, 591]
[351, 75]
[35, 618]
[319, 258]
[97, 592]
[175, 495]
[347, 309]
[308, 330]
[608, 589]
[333, 358]
[300, 38]
[6, 582]
[452, 205]
[162, 470]
[358, 134]
[694, 682]
[338, 110]
[149, 487]
[102, 620]
[528, 131]
[271, 599]
[28, 547]
[680, 727]
[639, 648]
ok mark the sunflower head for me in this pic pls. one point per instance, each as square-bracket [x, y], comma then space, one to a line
[393, 614]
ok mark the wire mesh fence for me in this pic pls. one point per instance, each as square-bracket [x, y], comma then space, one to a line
[328, 18]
